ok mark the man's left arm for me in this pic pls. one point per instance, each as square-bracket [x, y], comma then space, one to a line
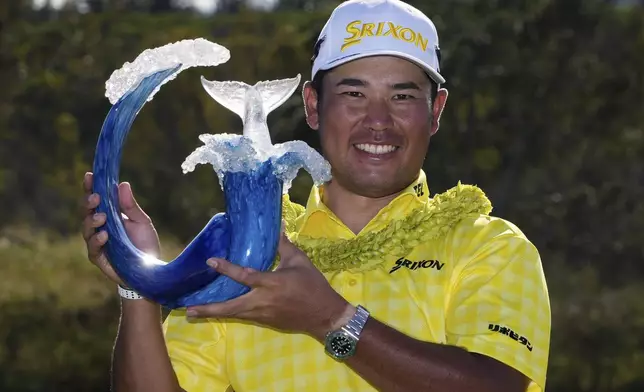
[498, 323]
[393, 361]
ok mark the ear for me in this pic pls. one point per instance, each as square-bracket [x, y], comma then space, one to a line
[310, 97]
[437, 110]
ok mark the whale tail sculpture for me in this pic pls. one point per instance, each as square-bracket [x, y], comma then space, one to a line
[252, 172]
[253, 104]
[234, 95]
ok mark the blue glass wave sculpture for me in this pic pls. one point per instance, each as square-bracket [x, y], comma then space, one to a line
[253, 173]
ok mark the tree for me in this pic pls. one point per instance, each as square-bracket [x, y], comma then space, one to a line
[162, 6]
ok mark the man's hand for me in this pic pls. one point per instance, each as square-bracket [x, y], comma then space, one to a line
[140, 361]
[138, 226]
[295, 297]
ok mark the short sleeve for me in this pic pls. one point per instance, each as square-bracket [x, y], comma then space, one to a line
[498, 303]
[197, 352]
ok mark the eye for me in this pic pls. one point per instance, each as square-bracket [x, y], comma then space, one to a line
[355, 94]
[403, 97]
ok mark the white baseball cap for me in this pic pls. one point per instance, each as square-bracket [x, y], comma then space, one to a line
[362, 28]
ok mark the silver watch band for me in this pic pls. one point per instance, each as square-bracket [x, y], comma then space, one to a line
[356, 324]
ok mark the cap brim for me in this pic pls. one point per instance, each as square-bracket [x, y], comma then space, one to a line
[433, 74]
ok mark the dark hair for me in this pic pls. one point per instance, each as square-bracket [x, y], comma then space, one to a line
[316, 83]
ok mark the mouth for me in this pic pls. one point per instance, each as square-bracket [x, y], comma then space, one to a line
[376, 149]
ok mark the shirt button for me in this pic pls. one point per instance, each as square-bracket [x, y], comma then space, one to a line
[353, 282]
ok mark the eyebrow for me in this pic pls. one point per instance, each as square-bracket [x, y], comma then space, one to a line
[351, 82]
[361, 83]
[406, 86]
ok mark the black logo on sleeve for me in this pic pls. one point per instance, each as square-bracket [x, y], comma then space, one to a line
[513, 335]
[414, 265]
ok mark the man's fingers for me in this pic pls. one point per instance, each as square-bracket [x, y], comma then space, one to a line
[92, 201]
[233, 308]
[95, 245]
[98, 258]
[90, 223]
[88, 182]
[106, 268]
[286, 249]
[245, 276]
[88, 203]
[291, 255]
[129, 206]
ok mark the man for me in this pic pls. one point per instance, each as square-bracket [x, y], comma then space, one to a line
[378, 287]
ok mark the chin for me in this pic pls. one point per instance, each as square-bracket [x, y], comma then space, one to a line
[374, 187]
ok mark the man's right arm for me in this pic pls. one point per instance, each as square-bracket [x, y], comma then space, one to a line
[149, 355]
[140, 361]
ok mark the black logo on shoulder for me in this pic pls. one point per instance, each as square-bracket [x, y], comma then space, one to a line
[419, 189]
[513, 335]
[414, 265]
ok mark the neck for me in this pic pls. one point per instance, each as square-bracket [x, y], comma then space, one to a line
[353, 210]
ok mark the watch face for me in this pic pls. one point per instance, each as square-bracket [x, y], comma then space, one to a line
[340, 345]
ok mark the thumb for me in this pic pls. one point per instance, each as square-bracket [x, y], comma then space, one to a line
[286, 249]
[129, 206]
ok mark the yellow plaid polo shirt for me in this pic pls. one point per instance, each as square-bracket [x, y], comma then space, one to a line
[480, 287]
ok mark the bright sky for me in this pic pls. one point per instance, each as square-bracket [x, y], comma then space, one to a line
[203, 5]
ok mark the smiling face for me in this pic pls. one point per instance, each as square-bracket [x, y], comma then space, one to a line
[375, 120]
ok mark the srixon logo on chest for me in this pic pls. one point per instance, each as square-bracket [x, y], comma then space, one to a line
[415, 265]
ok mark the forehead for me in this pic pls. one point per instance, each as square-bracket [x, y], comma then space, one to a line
[380, 70]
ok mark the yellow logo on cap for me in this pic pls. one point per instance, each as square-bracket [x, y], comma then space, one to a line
[382, 29]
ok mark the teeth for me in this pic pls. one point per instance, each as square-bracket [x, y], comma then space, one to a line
[376, 148]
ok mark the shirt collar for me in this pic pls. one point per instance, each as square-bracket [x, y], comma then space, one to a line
[412, 197]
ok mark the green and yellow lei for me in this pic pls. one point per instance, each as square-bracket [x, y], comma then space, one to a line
[429, 222]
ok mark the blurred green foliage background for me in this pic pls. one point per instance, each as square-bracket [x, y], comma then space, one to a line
[545, 114]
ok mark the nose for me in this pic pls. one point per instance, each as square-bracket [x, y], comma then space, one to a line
[378, 116]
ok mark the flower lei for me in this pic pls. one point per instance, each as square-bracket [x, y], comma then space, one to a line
[429, 222]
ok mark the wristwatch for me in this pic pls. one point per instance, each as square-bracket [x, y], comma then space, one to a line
[341, 344]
